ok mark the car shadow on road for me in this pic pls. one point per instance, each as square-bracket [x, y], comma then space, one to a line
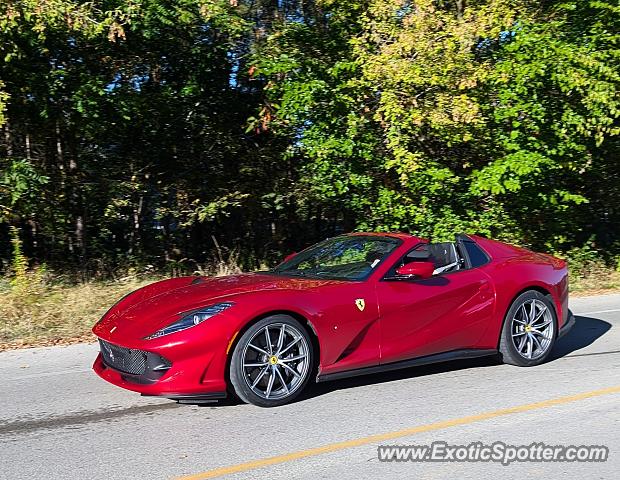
[586, 331]
[318, 389]
[395, 375]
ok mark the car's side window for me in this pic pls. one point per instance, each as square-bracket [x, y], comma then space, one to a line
[419, 254]
[445, 256]
[476, 256]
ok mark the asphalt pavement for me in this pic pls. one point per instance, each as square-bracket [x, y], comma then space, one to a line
[58, 420]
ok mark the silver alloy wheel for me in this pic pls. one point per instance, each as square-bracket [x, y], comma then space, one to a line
[532, 329]
[276, 361]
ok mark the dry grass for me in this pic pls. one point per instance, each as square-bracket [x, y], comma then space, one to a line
[42, 314]
[602, 280]
[39, 314]
[36, 312]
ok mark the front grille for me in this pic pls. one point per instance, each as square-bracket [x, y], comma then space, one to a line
[127, 360]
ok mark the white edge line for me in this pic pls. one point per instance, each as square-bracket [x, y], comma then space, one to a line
[597, 311]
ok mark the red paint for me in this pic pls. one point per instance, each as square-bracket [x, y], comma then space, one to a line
[418, 269]
[401, 319]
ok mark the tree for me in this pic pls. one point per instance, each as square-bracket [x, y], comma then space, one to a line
[451, 115]
[135, 132]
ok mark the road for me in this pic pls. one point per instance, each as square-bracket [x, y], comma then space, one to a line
[59, 421]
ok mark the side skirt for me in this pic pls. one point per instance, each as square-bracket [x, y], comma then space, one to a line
[192, 398]
[413, 362]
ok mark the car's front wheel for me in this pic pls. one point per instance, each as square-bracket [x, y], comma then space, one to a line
[530, 330]
[272, 361]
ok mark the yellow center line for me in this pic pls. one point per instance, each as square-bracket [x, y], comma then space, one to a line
[356, 442]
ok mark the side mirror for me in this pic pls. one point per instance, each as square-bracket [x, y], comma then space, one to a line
[419, 269]
[289, 256]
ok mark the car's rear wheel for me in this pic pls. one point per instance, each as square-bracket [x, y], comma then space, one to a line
[529, 331]
[272, 361]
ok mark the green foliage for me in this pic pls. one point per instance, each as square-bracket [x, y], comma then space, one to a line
[19, 261]
[487, 119]
[23, 281]
[133, 131]
[20, 186]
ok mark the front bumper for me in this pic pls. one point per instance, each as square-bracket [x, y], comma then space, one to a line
[179, 372]
[135, 366]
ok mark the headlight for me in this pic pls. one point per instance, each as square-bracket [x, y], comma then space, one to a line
[191, 319]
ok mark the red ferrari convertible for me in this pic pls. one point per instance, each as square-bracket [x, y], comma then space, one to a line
[350, 305]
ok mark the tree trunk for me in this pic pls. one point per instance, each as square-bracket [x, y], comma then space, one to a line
[8, 138]
[460, 8]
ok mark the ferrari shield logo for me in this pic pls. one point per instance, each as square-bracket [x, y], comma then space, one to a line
[360, 303]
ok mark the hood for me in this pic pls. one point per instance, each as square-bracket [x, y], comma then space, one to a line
[155, 305]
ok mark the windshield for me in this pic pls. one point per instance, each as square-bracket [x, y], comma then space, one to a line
[351, 257]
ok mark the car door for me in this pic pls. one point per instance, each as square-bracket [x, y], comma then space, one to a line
[446, 312]
[349, 327]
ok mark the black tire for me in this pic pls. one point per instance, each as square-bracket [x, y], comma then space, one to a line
[242, 377]
[514, 332]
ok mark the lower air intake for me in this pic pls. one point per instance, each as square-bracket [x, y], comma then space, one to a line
[126, 360]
